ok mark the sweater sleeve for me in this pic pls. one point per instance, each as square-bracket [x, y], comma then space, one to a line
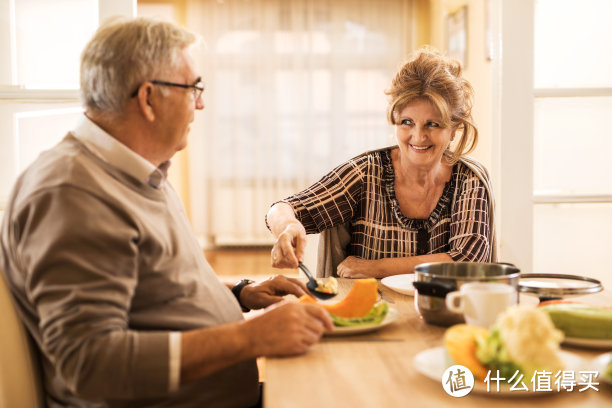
[81, 260]
[469, 232]
[333, 200]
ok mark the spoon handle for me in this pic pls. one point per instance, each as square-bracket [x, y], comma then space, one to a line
[306, 271]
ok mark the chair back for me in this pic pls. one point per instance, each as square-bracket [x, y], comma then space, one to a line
[20, 373]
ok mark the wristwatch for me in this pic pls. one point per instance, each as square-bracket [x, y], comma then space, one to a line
[237, 288]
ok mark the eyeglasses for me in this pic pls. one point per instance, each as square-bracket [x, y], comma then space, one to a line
[196, 89]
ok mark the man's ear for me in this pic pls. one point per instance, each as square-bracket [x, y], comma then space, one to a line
[145, 97]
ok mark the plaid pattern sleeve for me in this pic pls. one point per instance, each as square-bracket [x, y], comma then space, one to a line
[332, 200]
[362, 191]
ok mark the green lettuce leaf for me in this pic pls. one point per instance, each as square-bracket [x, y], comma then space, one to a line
[492, 353]
[375, 316]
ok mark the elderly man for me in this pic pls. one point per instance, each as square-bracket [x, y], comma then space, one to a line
[101, 259]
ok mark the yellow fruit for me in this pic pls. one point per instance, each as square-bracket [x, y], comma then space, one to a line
[460, 343]
[357, 303]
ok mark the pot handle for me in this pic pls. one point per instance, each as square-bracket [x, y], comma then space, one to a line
[435, 289]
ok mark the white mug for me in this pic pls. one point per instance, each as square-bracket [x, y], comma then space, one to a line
[481, 302]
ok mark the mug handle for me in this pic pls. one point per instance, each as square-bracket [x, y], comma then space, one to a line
[451, 302]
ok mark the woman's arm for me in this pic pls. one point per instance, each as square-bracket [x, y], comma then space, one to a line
[331, 201]
[279, 217]
[469, 238]
[353, 267]
[290, 244]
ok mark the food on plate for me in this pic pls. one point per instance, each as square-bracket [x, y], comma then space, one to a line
[329, 286]
[460, 343]
[375, 316]
[359, 307]
[522, 339]
[357, 302]
[580, 320]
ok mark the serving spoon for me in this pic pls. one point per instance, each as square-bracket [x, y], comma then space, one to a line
[313, 285]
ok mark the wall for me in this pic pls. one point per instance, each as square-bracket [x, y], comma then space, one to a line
[478, 66]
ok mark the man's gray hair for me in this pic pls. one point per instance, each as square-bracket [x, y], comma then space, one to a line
[123, 54]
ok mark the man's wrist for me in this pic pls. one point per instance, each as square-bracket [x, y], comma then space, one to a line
[237, 289]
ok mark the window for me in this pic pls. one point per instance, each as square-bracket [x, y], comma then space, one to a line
[47, 49]
[573, 100]
[294, 88]
[39, 75]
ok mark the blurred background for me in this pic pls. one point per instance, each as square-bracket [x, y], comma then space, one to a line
[296, 87]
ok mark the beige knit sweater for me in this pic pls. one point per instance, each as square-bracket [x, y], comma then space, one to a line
[103, 267]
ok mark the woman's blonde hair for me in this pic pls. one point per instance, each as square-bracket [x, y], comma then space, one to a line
[432, 76]
[123, 54]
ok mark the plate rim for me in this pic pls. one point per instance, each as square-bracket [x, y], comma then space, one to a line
[391, 317]
[479, 388]
[588, 343]
[409, 292]
[600, 363]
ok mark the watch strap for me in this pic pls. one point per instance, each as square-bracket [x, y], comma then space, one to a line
[237, 288]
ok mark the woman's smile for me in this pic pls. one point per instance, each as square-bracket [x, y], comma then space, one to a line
[420, 148]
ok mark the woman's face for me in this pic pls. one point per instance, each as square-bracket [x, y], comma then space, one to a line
[421, 138]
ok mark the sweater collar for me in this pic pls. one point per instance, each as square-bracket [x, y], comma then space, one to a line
[119, 155]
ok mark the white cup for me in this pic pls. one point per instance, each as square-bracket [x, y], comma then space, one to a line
[481, 302]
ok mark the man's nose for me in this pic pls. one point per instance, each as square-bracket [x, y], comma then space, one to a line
[199, 103]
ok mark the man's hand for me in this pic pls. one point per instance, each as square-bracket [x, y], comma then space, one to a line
[357, 268]
[271, 290]
[283, 329]
[287, 329]
[288, 250]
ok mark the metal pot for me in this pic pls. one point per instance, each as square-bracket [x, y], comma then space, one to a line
[435, 279]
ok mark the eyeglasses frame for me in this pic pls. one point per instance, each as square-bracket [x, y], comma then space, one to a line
[196, 89]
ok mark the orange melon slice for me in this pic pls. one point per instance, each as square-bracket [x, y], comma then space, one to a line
[357, 303]
[460, 343]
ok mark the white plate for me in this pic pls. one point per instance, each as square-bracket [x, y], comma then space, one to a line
[588, 343]
[400, 283]
[600, 364]
[391, 316]
[433, 362]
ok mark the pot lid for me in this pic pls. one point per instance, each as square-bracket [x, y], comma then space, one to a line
[554, 285]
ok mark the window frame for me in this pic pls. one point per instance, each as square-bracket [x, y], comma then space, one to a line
[514, 97]
[12, 93]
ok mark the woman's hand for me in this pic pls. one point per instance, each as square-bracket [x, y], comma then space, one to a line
[353, 267]
[288, 250]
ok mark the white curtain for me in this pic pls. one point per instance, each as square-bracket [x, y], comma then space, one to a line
[294, 88]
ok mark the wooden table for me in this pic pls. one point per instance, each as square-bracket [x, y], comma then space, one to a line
[376, 370]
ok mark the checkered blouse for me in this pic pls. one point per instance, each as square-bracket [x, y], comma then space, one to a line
[362, 191]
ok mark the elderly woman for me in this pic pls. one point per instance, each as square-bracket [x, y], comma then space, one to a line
[419, 201]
